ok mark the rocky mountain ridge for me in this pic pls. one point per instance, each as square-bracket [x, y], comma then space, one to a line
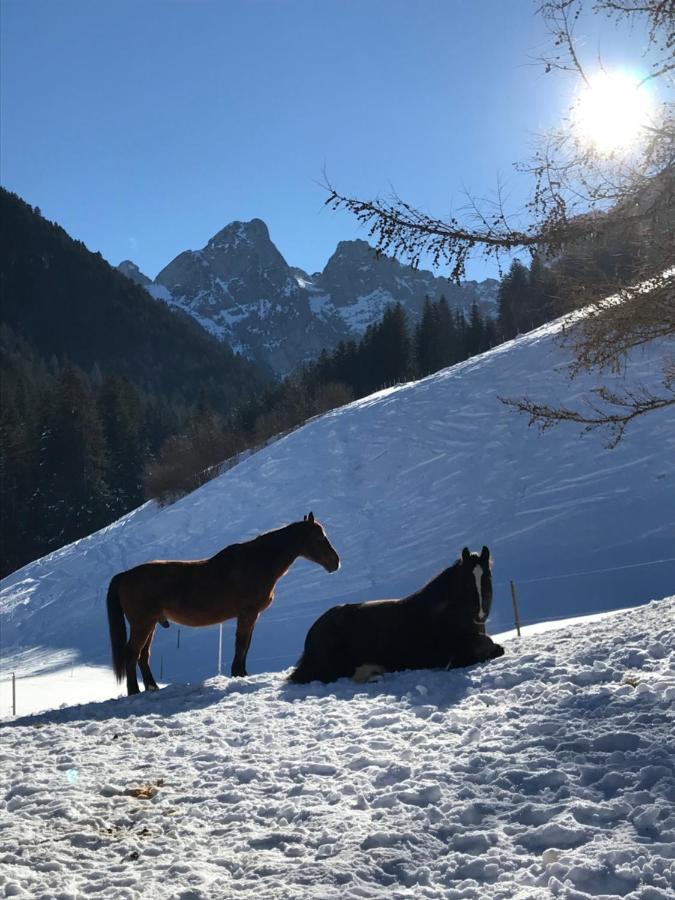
[240, 288]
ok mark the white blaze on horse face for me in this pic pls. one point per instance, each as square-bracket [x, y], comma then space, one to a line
[478, 574]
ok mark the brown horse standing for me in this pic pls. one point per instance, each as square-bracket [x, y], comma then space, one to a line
[238, 582]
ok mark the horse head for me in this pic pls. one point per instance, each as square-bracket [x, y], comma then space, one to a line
[476, 570]
[315, 545]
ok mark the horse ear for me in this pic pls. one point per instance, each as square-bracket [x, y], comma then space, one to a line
[466, 556]
[484, 556]
[310, 517]
[304, 518]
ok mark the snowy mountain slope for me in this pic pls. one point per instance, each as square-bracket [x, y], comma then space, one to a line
[357, 286]
[547, 773]
[241, 289]
[401, 480]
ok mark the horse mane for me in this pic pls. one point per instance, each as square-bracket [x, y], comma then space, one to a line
[276, 534]
[268, 538]
[437, 588]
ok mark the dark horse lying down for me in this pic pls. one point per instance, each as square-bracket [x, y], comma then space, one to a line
[441, 625]
[236, 583]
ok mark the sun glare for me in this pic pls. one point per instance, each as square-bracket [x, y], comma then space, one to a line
[611, 112]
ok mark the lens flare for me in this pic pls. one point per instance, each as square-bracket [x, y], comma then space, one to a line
[611, 112]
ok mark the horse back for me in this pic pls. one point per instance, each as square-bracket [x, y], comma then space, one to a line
[160, 574]
[353, 633]
[153, 587]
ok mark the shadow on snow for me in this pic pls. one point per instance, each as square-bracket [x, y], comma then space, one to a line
[439, 688]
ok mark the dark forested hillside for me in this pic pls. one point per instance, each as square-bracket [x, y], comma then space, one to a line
[95, 377]
[68, 302]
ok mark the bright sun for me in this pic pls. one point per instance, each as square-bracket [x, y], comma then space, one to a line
[611, 112]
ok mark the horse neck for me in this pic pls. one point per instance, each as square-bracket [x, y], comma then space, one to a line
[443, 590]
[280, 549]
[437, 589]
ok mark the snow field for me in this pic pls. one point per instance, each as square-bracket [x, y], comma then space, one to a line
[401, 480]
[547, 773]
[65, 686]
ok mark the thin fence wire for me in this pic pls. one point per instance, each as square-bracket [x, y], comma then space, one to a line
[293, 617]
[8, 677]
[652, 562]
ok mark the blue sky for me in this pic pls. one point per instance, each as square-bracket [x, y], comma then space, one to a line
[145, 126]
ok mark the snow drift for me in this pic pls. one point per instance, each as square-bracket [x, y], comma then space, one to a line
[546, 773]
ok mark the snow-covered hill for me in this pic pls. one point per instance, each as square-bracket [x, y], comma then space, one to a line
[402, 480]
[547, 773]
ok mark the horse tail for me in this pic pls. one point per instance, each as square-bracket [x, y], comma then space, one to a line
[118, 630]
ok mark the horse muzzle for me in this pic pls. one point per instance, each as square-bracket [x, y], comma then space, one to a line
[332, 565]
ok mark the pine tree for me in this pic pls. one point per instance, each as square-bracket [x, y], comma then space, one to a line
[545, 303]
[513, 301]
[398, 346]
[475, 331]
[447, 338]
[425, 336]
[72, 492]
[121, 414]
[461, 332]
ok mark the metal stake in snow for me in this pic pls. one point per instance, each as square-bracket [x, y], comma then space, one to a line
[220, 649]
[516, 617]
[13, 693]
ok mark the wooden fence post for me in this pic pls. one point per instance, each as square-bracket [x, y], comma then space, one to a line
[516, 617]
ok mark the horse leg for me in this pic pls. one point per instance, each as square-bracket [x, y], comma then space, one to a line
[487, 649]
[139, 635]
[144, 665]
[245, 625]
[366, 672]
[481, 649]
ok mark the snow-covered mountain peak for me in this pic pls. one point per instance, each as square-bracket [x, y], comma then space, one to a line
[356, 249]
[241, 289]
[236, 234]
[240, 249]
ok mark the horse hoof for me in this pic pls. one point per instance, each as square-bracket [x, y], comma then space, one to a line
[367, 672]
[164, 623]
[152, 687]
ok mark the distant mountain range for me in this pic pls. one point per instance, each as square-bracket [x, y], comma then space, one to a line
[241, 289]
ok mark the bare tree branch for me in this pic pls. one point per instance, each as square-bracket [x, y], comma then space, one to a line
[612, 327]
[561, 17]
[605, 222]
[628, 406]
